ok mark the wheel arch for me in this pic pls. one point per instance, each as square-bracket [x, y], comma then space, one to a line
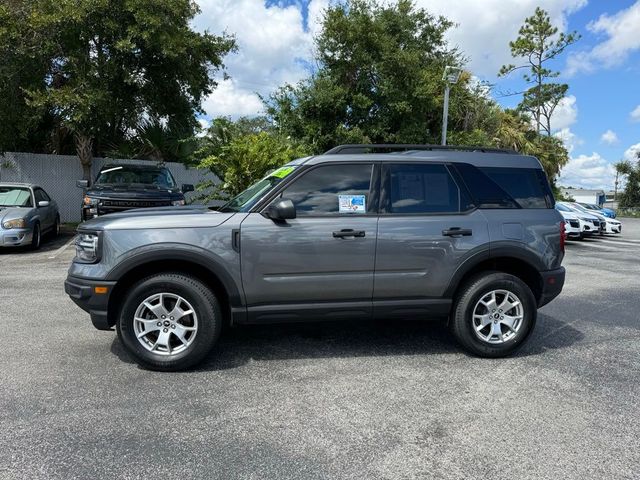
[162, 260]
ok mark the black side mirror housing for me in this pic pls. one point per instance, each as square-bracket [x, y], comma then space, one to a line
[82, 183]
[281, 210]
[187, 187]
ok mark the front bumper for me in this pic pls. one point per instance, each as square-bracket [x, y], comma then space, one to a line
[15, 237]
[552, 283]
[83, 293]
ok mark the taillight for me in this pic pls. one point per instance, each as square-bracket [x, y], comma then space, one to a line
[563, 236]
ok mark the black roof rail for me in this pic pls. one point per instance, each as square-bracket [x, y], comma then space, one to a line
[405, 147]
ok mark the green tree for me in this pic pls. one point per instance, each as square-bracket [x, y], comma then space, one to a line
[538, 44]
[111, 63]
[630, 197]
[379, 78]
[240, 159]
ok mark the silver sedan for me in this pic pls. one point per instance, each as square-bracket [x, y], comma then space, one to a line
[26, 214]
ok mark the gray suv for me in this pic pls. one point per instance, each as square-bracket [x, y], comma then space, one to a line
[470, 235]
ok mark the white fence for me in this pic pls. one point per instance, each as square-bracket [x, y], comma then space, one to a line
[57, 174]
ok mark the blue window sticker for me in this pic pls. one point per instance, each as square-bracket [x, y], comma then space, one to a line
[352, 204]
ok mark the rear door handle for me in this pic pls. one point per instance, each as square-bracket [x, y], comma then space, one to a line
[348, 232]
[457, 232]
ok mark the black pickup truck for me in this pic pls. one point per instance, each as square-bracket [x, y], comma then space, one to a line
[123, 187]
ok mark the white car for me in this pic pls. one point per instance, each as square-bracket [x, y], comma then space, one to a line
[572, 226]
[587, 224]
[611, 225]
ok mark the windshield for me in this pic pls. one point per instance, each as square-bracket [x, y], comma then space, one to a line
[580, 208]
[159, 177]
[247, 199]
[562, 208]
[15, 197]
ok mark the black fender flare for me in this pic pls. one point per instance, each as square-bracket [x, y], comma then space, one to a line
[180, 252]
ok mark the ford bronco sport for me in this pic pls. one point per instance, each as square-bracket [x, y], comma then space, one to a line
[467, 234]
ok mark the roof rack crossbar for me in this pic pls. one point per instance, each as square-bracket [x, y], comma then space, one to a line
[404, 147]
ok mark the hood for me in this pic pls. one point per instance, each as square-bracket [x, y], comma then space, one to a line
[160, 217]
[12, 213]
[133, 191]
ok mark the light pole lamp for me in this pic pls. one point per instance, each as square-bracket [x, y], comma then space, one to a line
[451, 75]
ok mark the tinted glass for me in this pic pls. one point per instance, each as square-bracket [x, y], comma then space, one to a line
[41, 196]
[524, 185]
[485, 192]
[123, 175]
[562, 208]
[424, 189]
[332, 189]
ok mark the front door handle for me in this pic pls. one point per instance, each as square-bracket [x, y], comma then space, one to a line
[348, 232]
[457, 232]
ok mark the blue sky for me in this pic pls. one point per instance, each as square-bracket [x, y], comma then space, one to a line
[596, 120]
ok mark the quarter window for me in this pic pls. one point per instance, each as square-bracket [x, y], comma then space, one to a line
[333, 189]
[425, 188]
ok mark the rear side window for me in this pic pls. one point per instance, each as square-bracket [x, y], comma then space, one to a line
[493, 187]
[527, 186]
[424, 188]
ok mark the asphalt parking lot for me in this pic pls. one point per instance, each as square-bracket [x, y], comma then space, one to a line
[339, 400]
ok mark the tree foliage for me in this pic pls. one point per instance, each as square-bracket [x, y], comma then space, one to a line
[378, 79]
[105, 65]
[539, 43]
[240, 153]
[630, 196]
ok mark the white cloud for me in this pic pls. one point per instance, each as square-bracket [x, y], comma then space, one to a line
[486, 27]
[588, 171]
[635, 114]
[273, 46]
[609, 137]
[570, 139]
[565, 114]
[621, 30]
[631, 153]
[232, 101]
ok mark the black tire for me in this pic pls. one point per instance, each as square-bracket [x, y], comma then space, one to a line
[205, 306]
[36, 239]
[461, 322]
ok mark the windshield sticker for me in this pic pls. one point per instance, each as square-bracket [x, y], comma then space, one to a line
[282, 172]
[352, 204]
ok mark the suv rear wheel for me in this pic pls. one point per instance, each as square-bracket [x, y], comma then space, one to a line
[169, 321]
[493, 315]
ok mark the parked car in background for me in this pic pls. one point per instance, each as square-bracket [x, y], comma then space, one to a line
[607, 212]
[26, 214]
[590, 224]
[122, 187]
[573, 227]
[607, 225]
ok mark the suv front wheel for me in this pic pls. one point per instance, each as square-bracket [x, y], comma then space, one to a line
[494, 313]
[169, 321]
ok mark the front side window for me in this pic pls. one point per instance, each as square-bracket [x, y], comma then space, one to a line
[424, 188]
[333, 189]
[41, 196]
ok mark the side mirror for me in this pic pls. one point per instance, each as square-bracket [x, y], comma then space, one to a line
[187, 187]
[43, 203]
[283, 209]
[82, 183]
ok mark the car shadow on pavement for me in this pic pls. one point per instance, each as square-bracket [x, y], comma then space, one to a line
[350, 339]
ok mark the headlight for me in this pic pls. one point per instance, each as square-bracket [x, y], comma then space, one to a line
[90, 201]
[176, 203]
[17, 223]
[87, 248]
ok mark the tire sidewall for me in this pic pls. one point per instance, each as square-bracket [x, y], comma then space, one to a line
[206, 309]
[478, 288]
[36, 239]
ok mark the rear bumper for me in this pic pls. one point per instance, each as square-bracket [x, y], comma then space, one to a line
[83, 293]
[552, 283]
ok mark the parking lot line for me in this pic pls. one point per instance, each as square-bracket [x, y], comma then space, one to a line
[62, 248]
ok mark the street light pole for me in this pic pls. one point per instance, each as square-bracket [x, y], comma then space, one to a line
[451, 75]
[445, 113]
